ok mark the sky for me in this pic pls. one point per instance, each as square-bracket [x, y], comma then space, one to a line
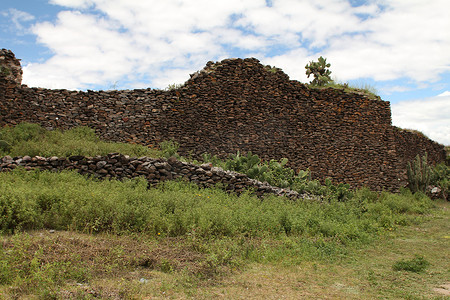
[399, 47]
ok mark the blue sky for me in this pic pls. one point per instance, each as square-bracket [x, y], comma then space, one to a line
[400, 47]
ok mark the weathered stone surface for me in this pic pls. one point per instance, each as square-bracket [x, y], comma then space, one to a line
[10, 68]
[101, 164]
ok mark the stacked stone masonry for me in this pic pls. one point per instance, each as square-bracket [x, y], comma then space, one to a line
[120, 166]
[239, 104]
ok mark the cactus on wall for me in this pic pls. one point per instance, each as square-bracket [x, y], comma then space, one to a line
[419, 174]
[320, 71]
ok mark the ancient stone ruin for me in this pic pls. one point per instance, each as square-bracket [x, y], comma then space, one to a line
[237, 104]
[10, 68]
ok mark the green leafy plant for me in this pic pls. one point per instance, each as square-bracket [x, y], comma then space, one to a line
[441, 178]
[340, 192]
[274, 172]
[320, 71]
[416, 265]
[244, 164]
[213, 159]
[419, 174]
[169, 148]
[166, 266]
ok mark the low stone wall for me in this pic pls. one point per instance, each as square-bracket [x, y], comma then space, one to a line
[153, 170]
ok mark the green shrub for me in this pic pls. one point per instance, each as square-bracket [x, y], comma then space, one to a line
[417, 264]
[247, 164]
[169, 148]
[441, 178]
[277, 173]
[214, 160]
[5, 147]
[274, 172]
[21, 133]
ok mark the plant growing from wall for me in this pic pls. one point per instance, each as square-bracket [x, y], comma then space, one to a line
[320, 71]
[271, 69]
[419, 174]
[4, 71]
[174, 86]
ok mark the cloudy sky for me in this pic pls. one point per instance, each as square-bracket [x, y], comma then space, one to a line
[400, 47]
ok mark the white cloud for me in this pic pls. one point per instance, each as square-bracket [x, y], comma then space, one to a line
[119, 40]
[430, 116]
[96, 55]
[128, 38]
[17, 18]
[72, 3]
[294, 67]
[395, 89]
[407, 39]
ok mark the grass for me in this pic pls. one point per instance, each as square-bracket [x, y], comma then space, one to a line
[36, 200]
[355, 87]
[109, 230]
[67, 264]
[414, 131]
[417, 264]
[32, 139]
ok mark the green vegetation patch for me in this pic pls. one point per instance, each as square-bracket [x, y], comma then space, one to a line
[67, 200]
[32, 139]
[207, 231]
[359, 88]
[417, 264]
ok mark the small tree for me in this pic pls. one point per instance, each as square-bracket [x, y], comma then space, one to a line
[320, 71]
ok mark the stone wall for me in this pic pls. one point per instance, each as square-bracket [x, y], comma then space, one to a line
[10, 68]
[120, 166]
[239, 104]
